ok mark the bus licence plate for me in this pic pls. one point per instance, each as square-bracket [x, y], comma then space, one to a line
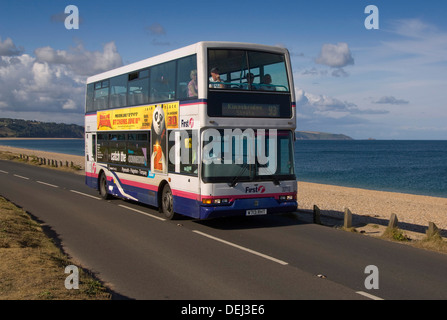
[256, 212]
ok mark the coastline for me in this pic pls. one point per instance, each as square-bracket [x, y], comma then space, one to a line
[77, 160]
[414, 212]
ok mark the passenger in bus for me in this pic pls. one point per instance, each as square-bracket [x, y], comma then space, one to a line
[249, 85]
[161, 89]
[267, 83]
[215, 81]
[192, 85]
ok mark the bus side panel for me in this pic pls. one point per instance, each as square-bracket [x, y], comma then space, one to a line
[186, 206]
[132, 190]
[185, 203]
[91, 180]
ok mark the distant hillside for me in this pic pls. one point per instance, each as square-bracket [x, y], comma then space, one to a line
[311, 135]
[15, 128]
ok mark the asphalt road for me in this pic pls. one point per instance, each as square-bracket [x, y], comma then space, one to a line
[142, 256]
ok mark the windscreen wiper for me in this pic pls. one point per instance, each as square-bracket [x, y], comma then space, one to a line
[241, 172]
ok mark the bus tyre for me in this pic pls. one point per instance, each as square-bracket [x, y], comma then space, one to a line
[167, 202]
[103, 187]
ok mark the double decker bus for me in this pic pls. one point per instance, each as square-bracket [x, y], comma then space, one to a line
[203, 131]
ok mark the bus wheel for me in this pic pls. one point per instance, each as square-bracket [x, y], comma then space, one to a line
[167, 202]
[103, 187]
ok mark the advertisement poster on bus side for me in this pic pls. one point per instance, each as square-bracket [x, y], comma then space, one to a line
[137, 118]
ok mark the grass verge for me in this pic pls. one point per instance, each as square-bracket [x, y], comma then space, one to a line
[32, 266]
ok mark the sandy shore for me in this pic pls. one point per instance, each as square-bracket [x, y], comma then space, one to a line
[77, 160]
[414, 212]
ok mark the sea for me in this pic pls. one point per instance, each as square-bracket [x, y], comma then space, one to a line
[415, 167]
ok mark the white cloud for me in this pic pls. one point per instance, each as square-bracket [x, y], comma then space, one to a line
[319, 112]
[8, 48]
[330, 106]
[42, 74]
[335, 55]
[52, 84]
[413, 28]
[80, 60]
[69, 105]
[423, 43]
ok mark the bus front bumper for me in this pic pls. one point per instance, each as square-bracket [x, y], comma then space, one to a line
[248, 207]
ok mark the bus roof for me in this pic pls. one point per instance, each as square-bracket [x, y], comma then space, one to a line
[183, 52]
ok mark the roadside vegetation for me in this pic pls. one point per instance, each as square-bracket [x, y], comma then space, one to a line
[33, 267]
[433, 242]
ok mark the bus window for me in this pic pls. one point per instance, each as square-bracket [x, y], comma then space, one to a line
[138, 88]
[162, 82]
[89, 100]
[187, 143]
[247, 70]
[101, 95]
[118, 91]
[102, 147]
[138, 149]
[187, 78]
[232, 66]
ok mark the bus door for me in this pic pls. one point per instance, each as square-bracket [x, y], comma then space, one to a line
[90, 160]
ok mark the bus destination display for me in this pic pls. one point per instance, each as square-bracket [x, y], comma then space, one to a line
[255, 110]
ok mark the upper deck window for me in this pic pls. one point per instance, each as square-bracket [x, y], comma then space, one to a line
[247, 70]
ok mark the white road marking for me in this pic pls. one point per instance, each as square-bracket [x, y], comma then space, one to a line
[242, 248]
[48, 184]
[6, 172]
[86, 195]
[142, 212]
[21, 177]
[368, 295]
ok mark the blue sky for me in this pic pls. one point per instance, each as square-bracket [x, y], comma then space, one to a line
[388, 83]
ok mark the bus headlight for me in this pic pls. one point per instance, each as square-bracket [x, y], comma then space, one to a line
[216, 201]
[287, 197]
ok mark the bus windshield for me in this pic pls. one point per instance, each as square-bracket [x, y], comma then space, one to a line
[247, 70]
[231, 156]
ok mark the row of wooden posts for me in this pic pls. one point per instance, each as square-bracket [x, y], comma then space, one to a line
[393, 222]
[49, 162]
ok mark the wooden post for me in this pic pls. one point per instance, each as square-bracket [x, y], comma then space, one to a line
[347, 219]
[393, 221]
[317, 215]
[432, 230]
